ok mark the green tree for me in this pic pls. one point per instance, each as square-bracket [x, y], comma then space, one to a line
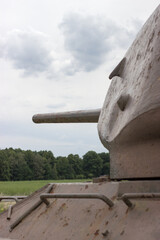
[38, 167]
[19, 169]
[17, 164]
[47, 169]
[64, 169]
[54, 172]
[76, 163]
[92, 164]
[49, 156]
[4, 166]
[29, 158]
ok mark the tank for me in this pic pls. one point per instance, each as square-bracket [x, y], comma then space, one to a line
[126, 205]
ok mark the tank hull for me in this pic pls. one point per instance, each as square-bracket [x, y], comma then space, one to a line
[78, 219]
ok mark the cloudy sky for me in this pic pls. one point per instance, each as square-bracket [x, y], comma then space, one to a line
[56, 55]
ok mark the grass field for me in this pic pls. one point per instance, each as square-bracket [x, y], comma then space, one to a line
[27, 187]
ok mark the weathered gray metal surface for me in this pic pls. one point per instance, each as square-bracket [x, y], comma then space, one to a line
[138, 190]
[71, 219]
[29, 210]
[102, 197]
[127, 196]
[9, 198]
[7, 239]
[138, 187]
[9, 212]
[68, 117]
[129, 127]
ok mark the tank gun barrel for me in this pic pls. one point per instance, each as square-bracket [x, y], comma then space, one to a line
[81, 116]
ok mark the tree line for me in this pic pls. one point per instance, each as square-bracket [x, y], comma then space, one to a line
[17, 164]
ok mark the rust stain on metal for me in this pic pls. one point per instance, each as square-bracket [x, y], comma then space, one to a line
[96, 232]
[122, 232]
[65, 225]
[105, 234]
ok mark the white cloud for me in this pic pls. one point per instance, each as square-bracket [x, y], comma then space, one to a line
[89, 39]
[28, 51]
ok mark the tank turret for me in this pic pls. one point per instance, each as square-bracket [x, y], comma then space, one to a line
[128, 123]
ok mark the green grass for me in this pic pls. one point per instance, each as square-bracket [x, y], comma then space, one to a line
[28, 187]
[25, 188]
[5, 205]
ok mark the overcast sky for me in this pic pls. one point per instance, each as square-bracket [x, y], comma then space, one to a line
[56, 55]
